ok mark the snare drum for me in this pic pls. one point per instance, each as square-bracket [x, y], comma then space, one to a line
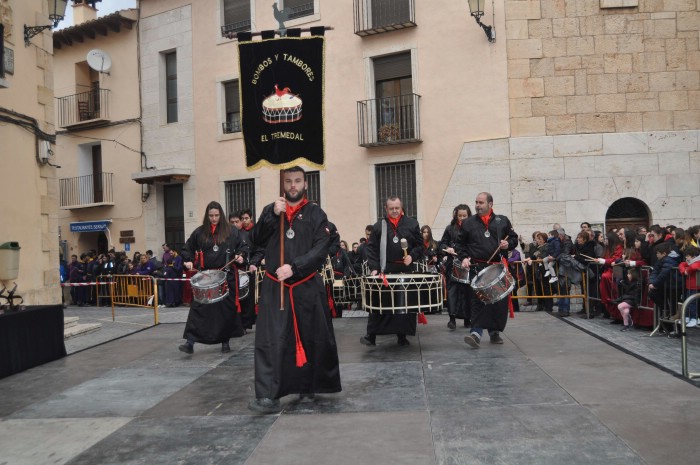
[459, 273]
[405, 293]
[209, 286]
[493, 283]
[339, 291]
[327, 272]
[243, 284]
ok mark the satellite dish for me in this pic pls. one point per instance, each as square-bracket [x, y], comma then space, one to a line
[99, 60]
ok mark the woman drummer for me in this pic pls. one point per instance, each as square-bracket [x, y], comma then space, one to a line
[209, 248]
[459, 295]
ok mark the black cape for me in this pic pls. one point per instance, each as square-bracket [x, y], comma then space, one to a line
[219, 321]
[276, 373]
[459, 295]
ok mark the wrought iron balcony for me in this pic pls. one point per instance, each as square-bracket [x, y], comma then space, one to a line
[377, 16]
[389, 120]
[230, 30]
[84, 109]
[93, 190]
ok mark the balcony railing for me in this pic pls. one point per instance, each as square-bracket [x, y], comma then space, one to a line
[86, 191]
[230, 30]
[377, 16]
[305, 9]
[83, 109]
[229, 127]
[389, 120]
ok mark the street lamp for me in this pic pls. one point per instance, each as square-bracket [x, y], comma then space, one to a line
[476, 7]
[57, 11]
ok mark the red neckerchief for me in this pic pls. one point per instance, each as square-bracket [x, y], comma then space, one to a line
[293, 211]
[487, 219]
[395, 221]
[426, 244]
[248, 228]
[459, 223]
[213, 229]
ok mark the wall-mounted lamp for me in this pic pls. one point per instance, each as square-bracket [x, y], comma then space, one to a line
[57, 11]
[476, 7]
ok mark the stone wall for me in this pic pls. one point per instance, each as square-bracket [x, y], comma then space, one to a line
[576, 68]
[567, 179]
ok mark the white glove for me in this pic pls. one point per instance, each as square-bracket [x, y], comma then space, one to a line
[633, 263]
[601, 261]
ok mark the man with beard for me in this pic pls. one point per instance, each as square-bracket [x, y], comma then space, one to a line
[295, 348]
[209, 247]
[459, 294]
[482, 236]
[396, 226]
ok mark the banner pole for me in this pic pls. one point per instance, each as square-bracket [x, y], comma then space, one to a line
[281, 241]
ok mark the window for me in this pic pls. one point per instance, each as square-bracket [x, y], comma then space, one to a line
[233, 108]
[240, 195]
[299, 8]
[394, 97]
[313, 183]
[236, 16]
[171, 86]
[2, 51]
[396, 179]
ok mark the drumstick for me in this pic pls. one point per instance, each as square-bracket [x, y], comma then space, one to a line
[494, 253]
[451, 253]
[592, 258]
[404, 246]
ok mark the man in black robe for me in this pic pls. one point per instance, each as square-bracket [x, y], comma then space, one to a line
[398, 227]
[256, 254]
[295, 348]
[486, 238]
[208, 248]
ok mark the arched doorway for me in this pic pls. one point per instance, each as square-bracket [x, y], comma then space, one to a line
[102, 243]
[627, 212]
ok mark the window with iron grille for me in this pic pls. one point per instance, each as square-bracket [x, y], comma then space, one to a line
[171, 86]
[396, 179]
[233, 108]
[299, 8]
[240, 195]
[2, 51]
[236, 16]
[313, 183]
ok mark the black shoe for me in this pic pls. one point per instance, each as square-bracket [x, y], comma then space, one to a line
[186, 348]
[265, 405]
[563, 314]
[472, 340]
[225, 348]
[368, 340]
[625, 328]
[451, 325]
[496, 339]
[467, 324]
[307, 398]
[403, 342]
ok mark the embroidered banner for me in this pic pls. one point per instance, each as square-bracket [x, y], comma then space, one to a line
[281, 87]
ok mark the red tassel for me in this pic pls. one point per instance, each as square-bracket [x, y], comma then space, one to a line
[384, 281]
[422, 319]
[301, 356]
[256, 309]
[511, 311]
[331, 304]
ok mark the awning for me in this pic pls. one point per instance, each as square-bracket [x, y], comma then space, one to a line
[168, 175]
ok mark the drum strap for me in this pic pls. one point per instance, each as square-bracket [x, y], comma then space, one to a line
[382, 249]
[301, 353]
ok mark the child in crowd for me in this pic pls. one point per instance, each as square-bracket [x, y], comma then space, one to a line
[690, 268]
[553, 252]
[630, 298]
[662, 281]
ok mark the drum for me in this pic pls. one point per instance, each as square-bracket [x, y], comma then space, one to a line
[259, 275]
[339, 291]
[405, 293]
[493, 283]
[327, 272]
[243, 285]
[459, 273]
[209, 286]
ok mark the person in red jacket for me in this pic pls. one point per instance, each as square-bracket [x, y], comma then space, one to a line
[690, 268]
[613, 254]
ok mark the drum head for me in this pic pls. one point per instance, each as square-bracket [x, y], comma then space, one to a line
[488, 276]
[243, 279]
[208, 278]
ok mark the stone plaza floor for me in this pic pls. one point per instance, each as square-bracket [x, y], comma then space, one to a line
[558, 391]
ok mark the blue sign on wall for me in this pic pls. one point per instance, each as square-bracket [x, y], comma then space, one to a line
[90, 226]
[127, 247]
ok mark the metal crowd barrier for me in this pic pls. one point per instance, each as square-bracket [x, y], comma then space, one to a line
[538, 287]
[135, 291]
[684, 342]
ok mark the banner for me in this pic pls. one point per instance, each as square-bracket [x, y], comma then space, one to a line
[281, 89]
